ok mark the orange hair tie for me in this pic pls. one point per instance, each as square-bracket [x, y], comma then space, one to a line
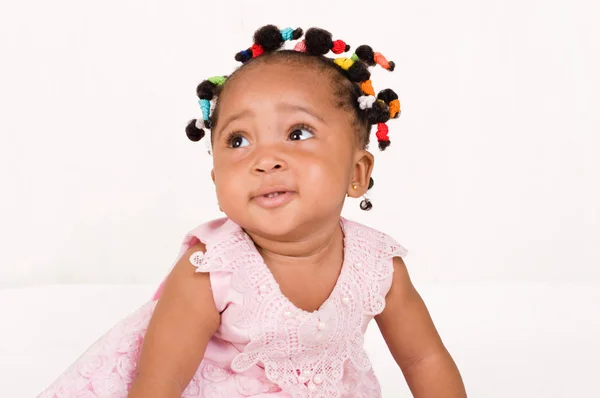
[367, 87]
[382, 61]
[394, 108]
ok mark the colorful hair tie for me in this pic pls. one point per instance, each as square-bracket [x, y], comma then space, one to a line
[287, 34]
[367, 87]
[217, 80]
[199, 123]
[339, 47]
[391, 99]
[382, 136]
[267, 39]
[344, 63]
[381, 61]
[205, 108]
[366, 54]
[300, 46]
[394, 108]
[366, 101]
[320, 42]
[256, 50]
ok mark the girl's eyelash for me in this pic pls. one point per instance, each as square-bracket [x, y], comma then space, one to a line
[235, 134]
[302, 126]
[231, 136]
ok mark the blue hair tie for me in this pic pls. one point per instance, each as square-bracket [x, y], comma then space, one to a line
[205, 107]
[287, 33]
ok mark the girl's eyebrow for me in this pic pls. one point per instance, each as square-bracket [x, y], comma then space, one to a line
[282, 106]
[235, 116]
[286, 106]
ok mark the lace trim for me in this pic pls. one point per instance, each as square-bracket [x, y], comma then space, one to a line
[308, 354]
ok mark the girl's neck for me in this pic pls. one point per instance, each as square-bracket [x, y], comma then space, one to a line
[320, 246]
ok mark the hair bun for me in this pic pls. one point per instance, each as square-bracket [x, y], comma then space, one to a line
[319, 42]
[193, 132]
[387, 95]
[365, 53]
[358, 72]
[378, 113]
[390, 97]
[269, 38]
[206, 90]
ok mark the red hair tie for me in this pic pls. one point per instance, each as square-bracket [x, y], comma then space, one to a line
[339, 46]
[382, 132]
[382, 136]
[257, 50]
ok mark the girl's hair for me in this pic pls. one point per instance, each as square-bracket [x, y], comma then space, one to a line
[350, 80]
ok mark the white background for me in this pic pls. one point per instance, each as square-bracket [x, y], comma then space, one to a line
[492, 181]
[493, 174]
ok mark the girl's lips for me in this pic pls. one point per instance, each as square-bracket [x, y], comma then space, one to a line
[273, 199]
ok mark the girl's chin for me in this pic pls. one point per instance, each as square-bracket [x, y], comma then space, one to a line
[272, 225]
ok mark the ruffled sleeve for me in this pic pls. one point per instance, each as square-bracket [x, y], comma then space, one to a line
[372, 253]
[212, 235]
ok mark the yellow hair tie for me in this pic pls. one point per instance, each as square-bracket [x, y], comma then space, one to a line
[344, 63]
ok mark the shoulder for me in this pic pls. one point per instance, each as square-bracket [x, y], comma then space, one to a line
[223, 244]
[372, 241]
[187, 292]
[184, 272]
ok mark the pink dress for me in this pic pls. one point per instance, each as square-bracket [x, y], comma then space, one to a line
[265, 347]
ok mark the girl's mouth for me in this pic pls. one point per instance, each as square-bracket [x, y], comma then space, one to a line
[274, 199]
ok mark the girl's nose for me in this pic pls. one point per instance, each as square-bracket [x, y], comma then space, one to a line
[269, 163]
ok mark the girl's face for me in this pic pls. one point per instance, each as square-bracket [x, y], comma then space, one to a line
[285, 155]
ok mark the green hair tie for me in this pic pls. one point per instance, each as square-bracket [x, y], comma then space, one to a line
[217, 80]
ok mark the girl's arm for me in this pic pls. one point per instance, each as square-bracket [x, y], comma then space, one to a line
[414, 342]
[184, 320]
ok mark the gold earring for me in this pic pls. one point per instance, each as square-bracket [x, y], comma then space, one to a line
[354, 186]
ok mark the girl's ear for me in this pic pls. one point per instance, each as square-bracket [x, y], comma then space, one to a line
[361, 175]
[212, 175]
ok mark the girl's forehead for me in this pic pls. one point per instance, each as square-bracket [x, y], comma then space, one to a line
[279, 81]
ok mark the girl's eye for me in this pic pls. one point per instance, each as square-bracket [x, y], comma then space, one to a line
[237, 141]
[300, 134]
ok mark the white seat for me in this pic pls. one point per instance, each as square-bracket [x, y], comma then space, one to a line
[508, 340]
